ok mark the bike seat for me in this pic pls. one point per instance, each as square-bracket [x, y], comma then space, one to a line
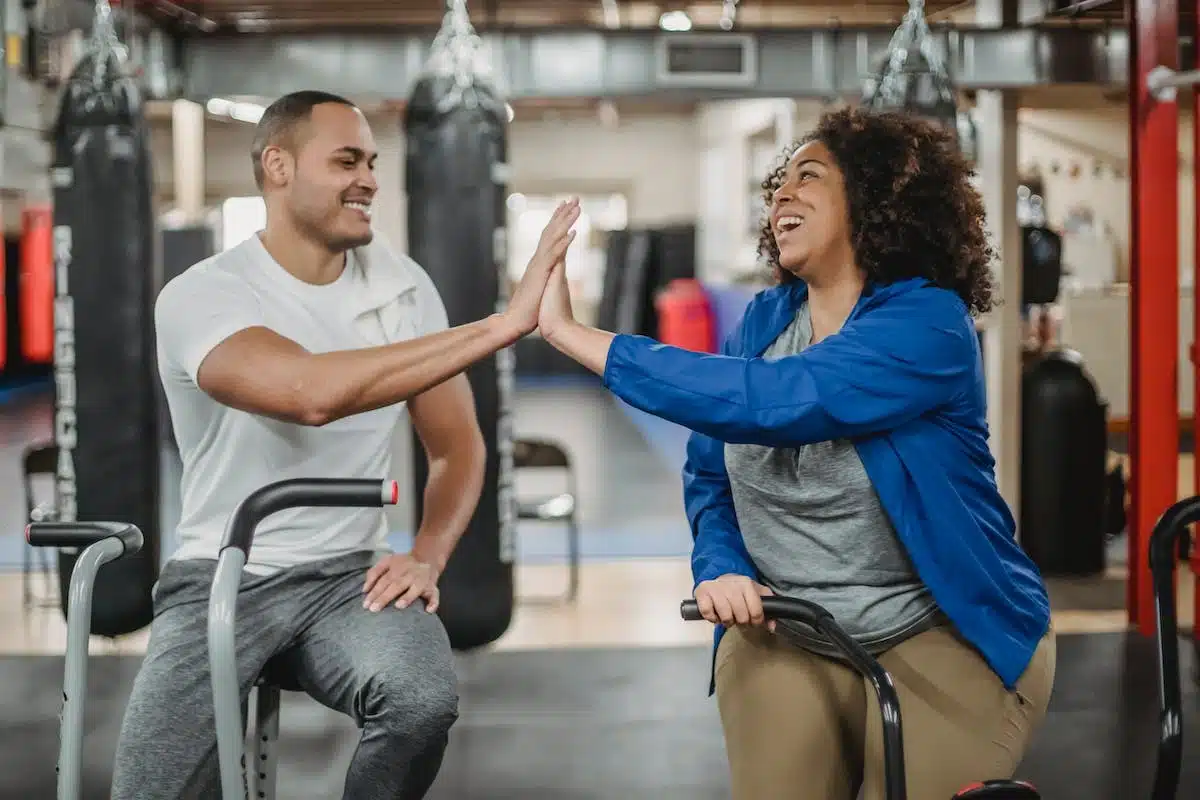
[276, 674]
[998, 790]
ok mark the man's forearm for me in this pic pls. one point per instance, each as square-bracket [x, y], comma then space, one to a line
[452, 492]
[354, 381]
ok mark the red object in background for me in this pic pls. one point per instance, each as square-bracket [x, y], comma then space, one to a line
[685, 316]
[37, 285]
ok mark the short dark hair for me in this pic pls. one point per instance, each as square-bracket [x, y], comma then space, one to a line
[278, 124]
[912, 209]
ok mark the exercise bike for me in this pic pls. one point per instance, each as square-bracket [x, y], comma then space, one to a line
[894, 778]
[102, 542]
[1169, 540]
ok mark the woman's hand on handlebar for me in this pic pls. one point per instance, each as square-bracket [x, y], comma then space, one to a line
[733, 600]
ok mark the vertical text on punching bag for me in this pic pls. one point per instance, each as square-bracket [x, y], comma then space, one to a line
[64, 368]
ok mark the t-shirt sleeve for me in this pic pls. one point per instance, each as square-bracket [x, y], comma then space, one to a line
[196, 312]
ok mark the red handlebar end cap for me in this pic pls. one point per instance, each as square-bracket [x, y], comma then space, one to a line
[395, 492]
[28, 529]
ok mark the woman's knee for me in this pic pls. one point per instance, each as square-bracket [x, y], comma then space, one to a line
[960, 723]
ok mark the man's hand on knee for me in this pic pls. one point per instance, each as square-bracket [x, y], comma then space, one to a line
[401, 579]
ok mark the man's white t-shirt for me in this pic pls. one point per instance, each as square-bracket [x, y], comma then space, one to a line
[380, 298]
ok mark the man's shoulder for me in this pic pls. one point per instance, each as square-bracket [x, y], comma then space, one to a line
[221, 280]
[224, 270]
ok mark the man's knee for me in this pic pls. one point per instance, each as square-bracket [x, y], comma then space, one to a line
[414, 704]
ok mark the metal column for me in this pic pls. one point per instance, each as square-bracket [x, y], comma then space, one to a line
[187, 141]
[997, 163]
[1154, 293]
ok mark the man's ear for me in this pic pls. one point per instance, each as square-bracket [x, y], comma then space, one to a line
[278, 165]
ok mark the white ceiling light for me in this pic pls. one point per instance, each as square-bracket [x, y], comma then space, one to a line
[675, 21]
[242, 112]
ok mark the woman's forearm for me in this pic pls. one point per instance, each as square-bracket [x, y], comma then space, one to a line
[581, 343]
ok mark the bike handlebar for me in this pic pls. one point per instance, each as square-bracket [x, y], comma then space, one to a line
[83, 534]
[792, 608]
[323, 492]
[222, 604]
[813, 615]
[1168, 543]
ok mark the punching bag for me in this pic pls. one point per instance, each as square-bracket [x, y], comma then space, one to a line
[1064, 469]
[106, 421]
[455, 127]
[1041, 265]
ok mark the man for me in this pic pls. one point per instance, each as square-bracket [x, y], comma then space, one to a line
[293, 355]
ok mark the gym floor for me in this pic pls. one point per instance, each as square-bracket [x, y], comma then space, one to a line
[603, 697]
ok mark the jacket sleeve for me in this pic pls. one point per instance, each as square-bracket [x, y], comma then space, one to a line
[718, 547]
[891, 365]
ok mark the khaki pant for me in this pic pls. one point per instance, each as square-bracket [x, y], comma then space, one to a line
[798, 725]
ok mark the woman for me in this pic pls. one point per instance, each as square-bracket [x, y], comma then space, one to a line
[840, 454]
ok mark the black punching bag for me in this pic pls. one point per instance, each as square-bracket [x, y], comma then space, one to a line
[1064, 452]
[106, 422]
[1041, 265]
[456, 160]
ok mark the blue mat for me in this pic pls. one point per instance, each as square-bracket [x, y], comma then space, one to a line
[12, 390]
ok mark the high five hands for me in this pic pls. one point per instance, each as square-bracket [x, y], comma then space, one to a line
[525, 306]
[542, 299]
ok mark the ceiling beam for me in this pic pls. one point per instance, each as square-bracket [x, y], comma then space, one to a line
[818, 62]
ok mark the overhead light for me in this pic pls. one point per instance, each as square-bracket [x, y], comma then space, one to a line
[242, 112]
[675, 21]
[612, 14]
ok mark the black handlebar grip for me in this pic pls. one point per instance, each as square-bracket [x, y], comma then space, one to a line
[83, 534]
[773, 608]
[298, 492]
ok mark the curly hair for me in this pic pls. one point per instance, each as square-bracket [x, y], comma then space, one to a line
[912, 209]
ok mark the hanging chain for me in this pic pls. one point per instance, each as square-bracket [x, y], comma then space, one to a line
[457, 52]
[105, 43]
[912, 34]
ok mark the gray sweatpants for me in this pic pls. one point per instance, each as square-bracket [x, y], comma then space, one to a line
[392, 671]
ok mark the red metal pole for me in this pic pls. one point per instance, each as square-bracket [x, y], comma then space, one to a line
[1154, 293]
[1195, 319]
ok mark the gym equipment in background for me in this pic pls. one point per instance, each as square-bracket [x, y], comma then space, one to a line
[106, 397]
[1041, 264]
[1064, 461]
[685, 316]
[457, 149]
[637, 282]
[36, 294]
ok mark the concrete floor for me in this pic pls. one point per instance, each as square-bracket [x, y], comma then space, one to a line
[603, 698]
